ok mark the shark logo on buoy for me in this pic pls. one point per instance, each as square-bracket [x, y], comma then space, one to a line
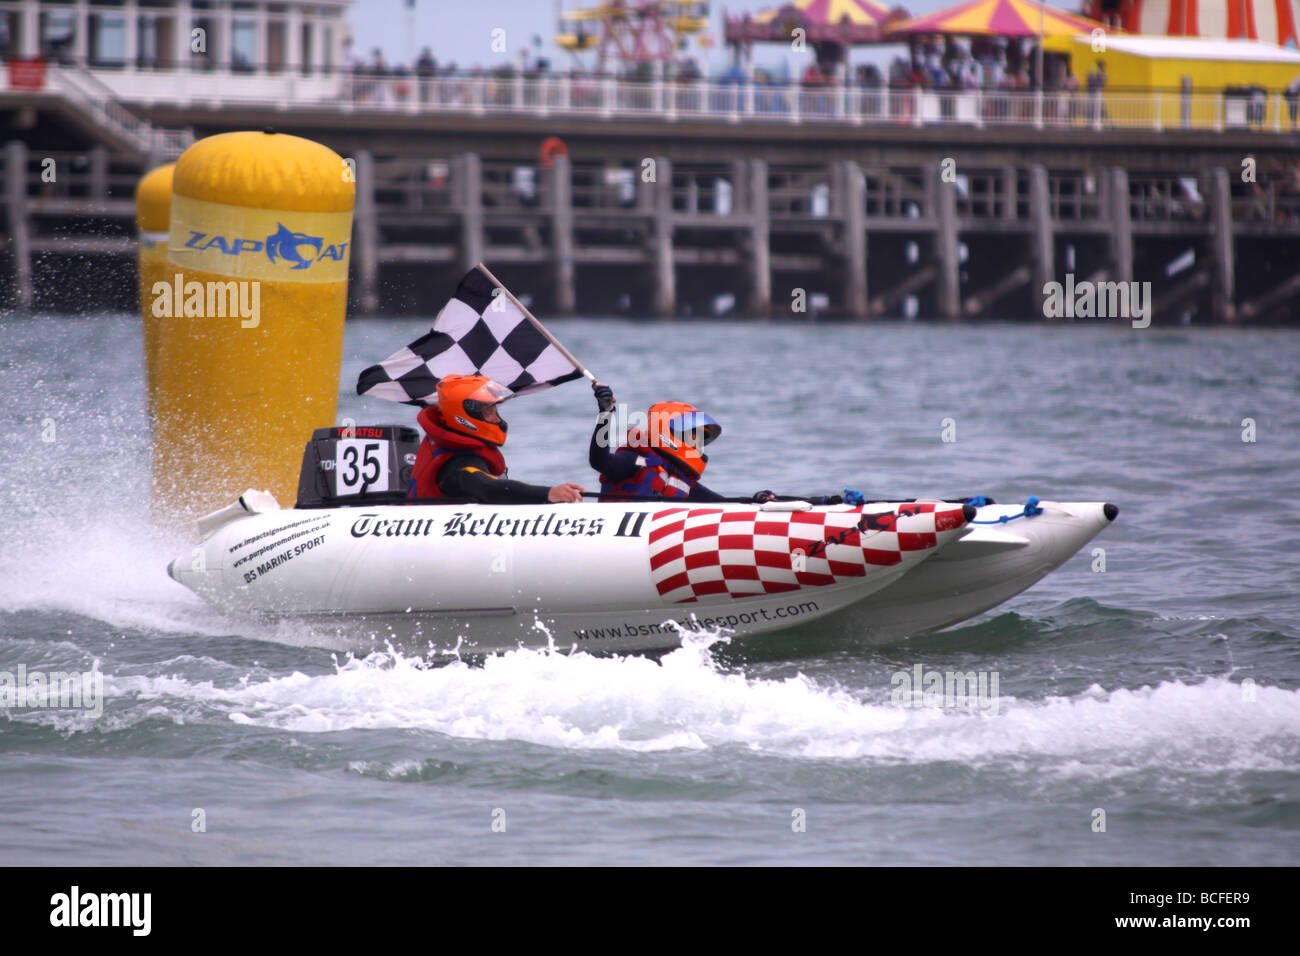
[286, 243]
[283, 247]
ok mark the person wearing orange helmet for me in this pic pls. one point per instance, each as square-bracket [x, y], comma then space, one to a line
[460, 456]
[663, 458]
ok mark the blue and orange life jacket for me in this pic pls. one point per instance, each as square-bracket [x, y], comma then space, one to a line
[657, 475]
[440, 445]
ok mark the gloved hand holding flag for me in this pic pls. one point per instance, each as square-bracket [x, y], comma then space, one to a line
[483, 330]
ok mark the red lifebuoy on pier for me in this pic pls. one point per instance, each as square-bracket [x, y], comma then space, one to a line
[551, 147]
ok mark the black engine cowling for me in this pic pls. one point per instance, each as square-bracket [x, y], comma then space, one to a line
[357, 465]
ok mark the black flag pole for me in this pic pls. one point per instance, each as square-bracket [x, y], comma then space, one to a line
[533, 319]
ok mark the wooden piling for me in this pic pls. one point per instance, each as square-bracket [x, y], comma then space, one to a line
[469, 202]
[760, 228]
[1042, 249]
[98, 172]
[1010, 197]
[1222, 254]
[645, 191]
[365, 251]
[855, 240]
[20, 243]
[562, 235]
[740, 192]
[1121, 235]
[665, 273]
[948, 294]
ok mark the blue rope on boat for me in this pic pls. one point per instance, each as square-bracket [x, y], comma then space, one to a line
[1031, 509]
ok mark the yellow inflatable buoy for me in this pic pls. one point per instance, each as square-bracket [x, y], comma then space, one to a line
[250, 317]
[153, 205]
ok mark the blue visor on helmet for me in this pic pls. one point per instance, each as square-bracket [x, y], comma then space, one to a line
[682, 426]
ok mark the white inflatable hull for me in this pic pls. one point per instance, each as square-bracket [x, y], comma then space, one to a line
[620, 577]
[988, 566]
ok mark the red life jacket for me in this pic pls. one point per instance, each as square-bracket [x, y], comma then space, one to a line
[656, 476]
[440, 445]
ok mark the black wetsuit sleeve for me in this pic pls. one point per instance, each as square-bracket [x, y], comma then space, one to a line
[700, 493]
[614, 463]
[468, 476]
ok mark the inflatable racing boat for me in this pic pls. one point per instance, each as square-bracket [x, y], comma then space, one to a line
[360, 568]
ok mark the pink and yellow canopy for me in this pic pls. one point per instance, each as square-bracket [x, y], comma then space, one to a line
[999, 18]
[837, 21]
[858, 12]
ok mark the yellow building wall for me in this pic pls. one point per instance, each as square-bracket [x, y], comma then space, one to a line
[1131, 80]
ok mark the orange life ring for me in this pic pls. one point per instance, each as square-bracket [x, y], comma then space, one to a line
[552, 146]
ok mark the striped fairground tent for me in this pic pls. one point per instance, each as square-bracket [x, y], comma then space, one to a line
[838, 21]
[998, 18]
[1272, 21]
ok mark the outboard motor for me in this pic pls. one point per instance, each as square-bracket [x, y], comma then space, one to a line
[357, 465]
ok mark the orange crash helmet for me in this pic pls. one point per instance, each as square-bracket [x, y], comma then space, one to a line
[468, 404]
[679, 431]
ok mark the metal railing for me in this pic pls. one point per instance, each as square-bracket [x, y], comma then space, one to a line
[602, 97]
[87, 92]
[608, 98]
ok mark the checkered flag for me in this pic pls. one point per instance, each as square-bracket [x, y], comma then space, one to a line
[481, 331]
